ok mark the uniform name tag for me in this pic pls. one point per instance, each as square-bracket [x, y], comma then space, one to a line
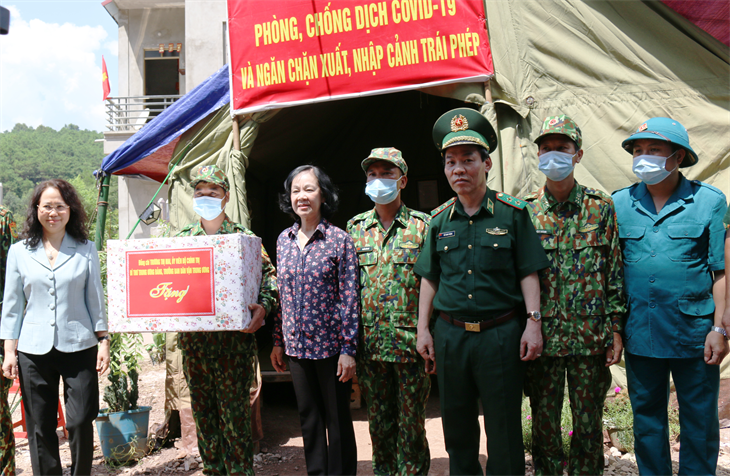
[543, 232]
[364, 249]
[409, 245]
[447, 234]
[587, 228]
[497, 231]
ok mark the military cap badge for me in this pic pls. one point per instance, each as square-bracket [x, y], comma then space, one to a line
[459, 123]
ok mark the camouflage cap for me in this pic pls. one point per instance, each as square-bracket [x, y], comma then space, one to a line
[561, 124]
[210, 174]
[464, 126]
[388, 154]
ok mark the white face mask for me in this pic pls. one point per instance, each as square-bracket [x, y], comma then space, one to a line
[208, 207]
[652, 169]
[556, 165]
[382, 191]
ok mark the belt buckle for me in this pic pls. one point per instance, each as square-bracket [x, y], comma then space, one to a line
[472, 326]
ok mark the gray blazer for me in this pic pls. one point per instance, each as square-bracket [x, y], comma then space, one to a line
[61, 307]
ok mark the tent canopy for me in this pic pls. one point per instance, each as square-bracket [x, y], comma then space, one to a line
[610, 66]
[156, 141]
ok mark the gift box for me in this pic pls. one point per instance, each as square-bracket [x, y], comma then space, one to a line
[192, 283]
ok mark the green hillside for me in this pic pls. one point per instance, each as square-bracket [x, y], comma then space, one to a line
[29, 156]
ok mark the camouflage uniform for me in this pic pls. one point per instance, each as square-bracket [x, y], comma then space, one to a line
[582, 304]
[219, 368]
[7, 440]
[390, 372]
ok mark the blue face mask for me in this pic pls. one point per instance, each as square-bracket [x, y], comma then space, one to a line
[556, 165]
[382, 191]
[651, 169]
[208, 207]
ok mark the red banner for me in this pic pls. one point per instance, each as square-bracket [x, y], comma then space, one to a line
[302, 51]
[170, 283]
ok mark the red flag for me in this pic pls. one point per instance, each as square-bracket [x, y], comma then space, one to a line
[105, 79]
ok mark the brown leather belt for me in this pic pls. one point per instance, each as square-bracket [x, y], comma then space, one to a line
[478, 326]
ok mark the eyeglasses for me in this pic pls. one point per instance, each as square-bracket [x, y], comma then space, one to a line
[47, 209]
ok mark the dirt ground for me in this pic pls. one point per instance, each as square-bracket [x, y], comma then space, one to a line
[282, 447]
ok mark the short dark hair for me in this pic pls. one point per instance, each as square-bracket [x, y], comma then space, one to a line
[330, 199]
[76, 226]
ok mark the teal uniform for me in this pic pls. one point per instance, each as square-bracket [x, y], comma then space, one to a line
[478, 263]
[668, 260]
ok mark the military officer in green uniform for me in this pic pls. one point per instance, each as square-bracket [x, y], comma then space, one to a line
[583, 305]
[219, 366]
[390, 372]
[8, 235]
[479, 274]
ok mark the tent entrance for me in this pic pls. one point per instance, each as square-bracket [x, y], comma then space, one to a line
[337, 136]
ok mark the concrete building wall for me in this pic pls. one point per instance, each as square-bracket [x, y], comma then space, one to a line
[134, 195]
[205, 32]
[201, 27]
[145, 29]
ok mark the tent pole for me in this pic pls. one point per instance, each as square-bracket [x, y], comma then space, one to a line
[101, 206]
[177, 159]
[236, 134]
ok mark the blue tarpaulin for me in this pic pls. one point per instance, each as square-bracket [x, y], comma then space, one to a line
[208, 96]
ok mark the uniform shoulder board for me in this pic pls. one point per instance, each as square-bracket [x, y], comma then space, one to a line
[633, 185]
[443, 207]
[511, 201]
[707, 186]
[531, 197]
[357, 218]
[598, 194]
[242, 229]
[420, 215]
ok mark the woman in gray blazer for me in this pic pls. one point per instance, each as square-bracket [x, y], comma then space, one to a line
[53, 314]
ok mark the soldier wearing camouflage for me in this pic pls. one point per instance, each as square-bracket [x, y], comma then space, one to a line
[583, 304]
[219, 366]
[391, 375]
[8, 235]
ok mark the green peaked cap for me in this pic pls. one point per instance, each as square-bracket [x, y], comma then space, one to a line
[561, 124]
[210, 174]
[388, 154]
[464, 126]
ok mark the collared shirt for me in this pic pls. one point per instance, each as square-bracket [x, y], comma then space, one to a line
[668, 259]
[320, 303]
[8, 236]
[726, 219]
[582, 292]
[220, 343]
[480, 260]
[388, 286]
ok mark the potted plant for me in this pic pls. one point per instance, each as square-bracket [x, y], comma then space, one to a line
[122, 426]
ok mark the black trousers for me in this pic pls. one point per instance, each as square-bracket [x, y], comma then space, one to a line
[39, 376]
[324, 411]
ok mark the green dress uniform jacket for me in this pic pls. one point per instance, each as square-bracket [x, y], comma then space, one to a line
[221, 343]
[582, 292]
[388, 285]
[479, 261]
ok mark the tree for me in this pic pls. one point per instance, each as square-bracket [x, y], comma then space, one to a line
[28, 156]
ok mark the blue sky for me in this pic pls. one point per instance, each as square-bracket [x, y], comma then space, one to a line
[50, 63]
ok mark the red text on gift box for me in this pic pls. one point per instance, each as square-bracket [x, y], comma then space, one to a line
[170, 283]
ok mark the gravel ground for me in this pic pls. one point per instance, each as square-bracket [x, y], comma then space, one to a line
[282, 447]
